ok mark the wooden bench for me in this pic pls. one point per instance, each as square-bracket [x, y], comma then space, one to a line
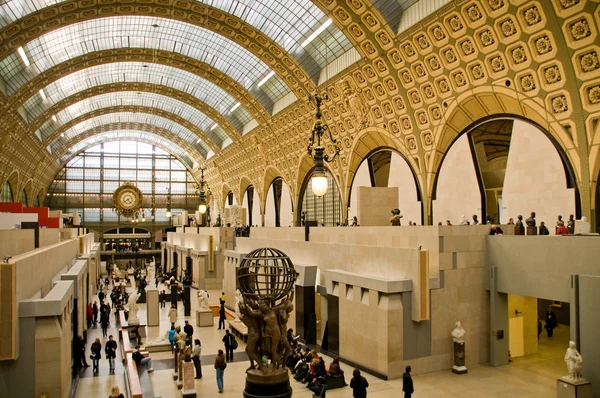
[229, 314]
[122, 321]
[132, 377]
[126, 342]
[240, 330]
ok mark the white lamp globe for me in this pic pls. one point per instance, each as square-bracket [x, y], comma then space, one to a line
[202, 208]
[319, 184]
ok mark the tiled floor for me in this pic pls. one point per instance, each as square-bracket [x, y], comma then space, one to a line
[531, 376]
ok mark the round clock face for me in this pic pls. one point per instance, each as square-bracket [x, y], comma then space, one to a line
[127, 200]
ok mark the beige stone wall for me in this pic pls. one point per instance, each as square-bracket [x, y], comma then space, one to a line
[535, 178]
[361, 179]
[53, 355]
[49, 236]
[528, 308]
[457, 189]
[15, 241]
[375, 205]
[402, 177]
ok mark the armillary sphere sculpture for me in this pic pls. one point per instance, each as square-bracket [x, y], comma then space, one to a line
[266, 279]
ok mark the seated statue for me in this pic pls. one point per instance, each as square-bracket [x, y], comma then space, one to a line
[574, 362]
[202, 299]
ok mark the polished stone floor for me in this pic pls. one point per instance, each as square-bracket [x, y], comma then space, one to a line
[530, 376]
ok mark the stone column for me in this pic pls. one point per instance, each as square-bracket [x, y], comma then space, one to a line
[152, 306]
[174, 295]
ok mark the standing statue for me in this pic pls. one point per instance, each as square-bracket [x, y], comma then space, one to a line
[475, 219]
[531, 220]
[458, 336]
[238, 299]
[218, 223]
[574, 362]
[133, 309]
[519, 222]
[571, 224]
[395, 220]
[181, 347]
[203, 299]
[152, 270]
[584, 226]
[464, 220]
[254, 329]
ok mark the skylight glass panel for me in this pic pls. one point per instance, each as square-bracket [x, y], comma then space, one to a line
[161, 75]
[110, 33]
[125, 118]
[130, 98]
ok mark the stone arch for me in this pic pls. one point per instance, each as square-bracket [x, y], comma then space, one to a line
[68, 12]
[13, 180]
[225, 189]
[271, 174]
[27, 186]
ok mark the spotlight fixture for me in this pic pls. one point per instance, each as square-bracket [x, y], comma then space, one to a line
[319, 178]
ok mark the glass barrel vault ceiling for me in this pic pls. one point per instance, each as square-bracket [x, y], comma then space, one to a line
[127, 135]
[125, 98]
[129, 117]
[109, 33]
[138, 72]
[287, 22]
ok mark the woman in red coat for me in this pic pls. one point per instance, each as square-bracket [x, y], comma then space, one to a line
[561, 229]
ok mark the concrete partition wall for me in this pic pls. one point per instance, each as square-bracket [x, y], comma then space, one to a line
[49, 236]
[375, 205]
[16, 241]
[457, 192]
[535, 178]
[86, 242]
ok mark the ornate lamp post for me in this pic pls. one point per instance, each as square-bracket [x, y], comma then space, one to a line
[203, 193]
[319, 178]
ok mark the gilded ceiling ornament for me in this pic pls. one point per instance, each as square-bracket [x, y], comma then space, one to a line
[580, 29]
[415, 97]
[532, 16]
[508, 27]
[528, 83]
[423, 43]
[552, 74]
[589, 61]
[428, 91]
[450, 56]
[487, 38]
[399, 103]
[434, 63]
[443, 85]
[419, 70]
[455, 23]
[127, 200]
[543, 45]
[594, 94]
[560, 104]
[519, 55]
[436, 113]
[496, 4]
[407, 77]
[396, 58]
[477, 71]
[406, 125]
[411, 143]
[409, 50]
[568, 3]
[474, 13]
[467, 47]
[427, 139]
[355, 103]
[422, 117]
[459, 79]
[438, 33]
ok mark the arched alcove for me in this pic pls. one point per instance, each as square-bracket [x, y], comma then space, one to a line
[278, 205]
[251, 205]
[326, 210]
[7, 194]
[384, 167]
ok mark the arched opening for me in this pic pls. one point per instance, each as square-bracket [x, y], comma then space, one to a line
[500, 168]
[24, 198]
[251, 204]
[386, 168]
[36, 201]
[325, 210]
[7, 194]
[279, 207]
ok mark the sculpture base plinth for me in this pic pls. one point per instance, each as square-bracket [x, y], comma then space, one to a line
[273, 384]
[531, 230]
[205, 317]
[567, 388]
[459, 359]
[459, 370]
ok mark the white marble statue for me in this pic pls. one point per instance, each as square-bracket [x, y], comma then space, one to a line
[238, 299]
[458, 334]
[584, 226]
[151, 271]
[464, 220]
[202, 300]
[574, 362]
[133, 309]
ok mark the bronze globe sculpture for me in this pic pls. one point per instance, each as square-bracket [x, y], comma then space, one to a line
[266, 278]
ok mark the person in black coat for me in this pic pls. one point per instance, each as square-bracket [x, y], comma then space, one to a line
[359, 385]
[110, 349]
[228, 341]
[96, 350]
[222, 316]
[407, 383]
[551, 323]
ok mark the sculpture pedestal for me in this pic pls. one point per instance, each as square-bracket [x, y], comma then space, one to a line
[152, 307]
[531, 230]
[567, 388]
[459, 359]
[271, 385]
[205, 317]
[189, 387]
[519, 231]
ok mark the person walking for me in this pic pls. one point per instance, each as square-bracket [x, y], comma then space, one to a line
[228, 340]
[163, 299]
[358, 384]
[196, 358]
[104, 318]
[110, 349]
[89, 315]
[172, 338]
[220, 365]
[551, 323]
[189, 332]
[407, 383]
[95, 313]
[222, 316]
[96, 349]
[173, 315]
[80, 360]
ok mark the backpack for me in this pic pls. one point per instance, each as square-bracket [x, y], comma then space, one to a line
[234, 343]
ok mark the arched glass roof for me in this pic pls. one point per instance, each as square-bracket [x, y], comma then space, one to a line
[130, 117]
[124, 98]
[287, 22]
[121, 72]
[108, 33]
[125, 135]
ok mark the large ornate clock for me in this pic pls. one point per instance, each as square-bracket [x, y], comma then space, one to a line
[127, 200]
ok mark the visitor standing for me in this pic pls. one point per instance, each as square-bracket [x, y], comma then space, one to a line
[220, 365]
[96, 348]
[222, 298]
[228, 341]
[163, 299]
[222, 316]
[359, 385]
[110, 349]
[189, 332]
[173, 315]
[407, 383]
[104, 318]
[95, 312]
[196, 358]
[551, 323]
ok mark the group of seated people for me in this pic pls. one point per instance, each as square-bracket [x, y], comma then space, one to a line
[309, 368]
